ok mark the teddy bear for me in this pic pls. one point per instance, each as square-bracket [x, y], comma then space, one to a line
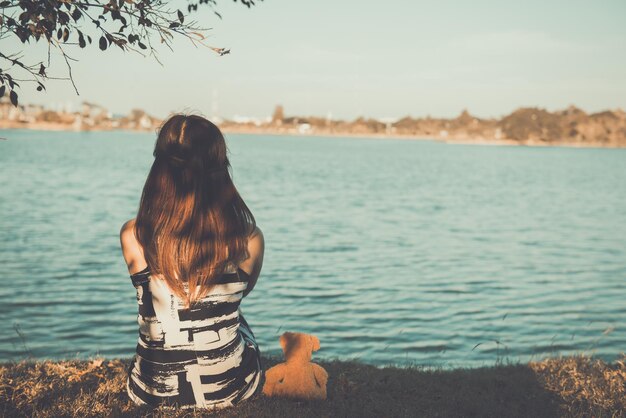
[297, 377]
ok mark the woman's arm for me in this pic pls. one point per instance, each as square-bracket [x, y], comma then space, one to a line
[131, 250]
[253, 264]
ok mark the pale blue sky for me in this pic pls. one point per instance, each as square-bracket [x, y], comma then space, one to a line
[377, 59]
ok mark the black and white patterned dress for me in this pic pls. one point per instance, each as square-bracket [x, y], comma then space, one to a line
[204, 357]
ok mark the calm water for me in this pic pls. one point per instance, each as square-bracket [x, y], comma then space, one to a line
[390, 251]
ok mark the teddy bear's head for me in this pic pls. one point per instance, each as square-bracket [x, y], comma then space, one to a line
[299, 346]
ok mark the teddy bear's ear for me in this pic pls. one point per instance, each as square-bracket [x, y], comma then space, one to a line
[284, 340]
[315, 343]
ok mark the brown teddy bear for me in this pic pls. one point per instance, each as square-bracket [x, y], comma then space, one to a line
[297, 377]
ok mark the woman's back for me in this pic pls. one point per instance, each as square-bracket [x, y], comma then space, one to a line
[205, 356]
[200, 239]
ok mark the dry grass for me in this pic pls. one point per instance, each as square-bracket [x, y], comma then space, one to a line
[570, 386]
[586, 386]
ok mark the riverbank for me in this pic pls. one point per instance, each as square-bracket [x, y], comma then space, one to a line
[568, 386]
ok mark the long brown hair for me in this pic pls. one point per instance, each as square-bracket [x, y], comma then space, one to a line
[191, 221]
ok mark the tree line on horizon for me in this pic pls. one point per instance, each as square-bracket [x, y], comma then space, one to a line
[526, 124]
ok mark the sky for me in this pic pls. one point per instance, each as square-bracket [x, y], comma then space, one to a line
[351, 58]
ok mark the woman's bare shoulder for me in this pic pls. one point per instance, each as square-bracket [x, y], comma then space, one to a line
[256, 233]
[254, 263]
[131, 249]
[127, 234]
[128, 226]
[256, 243]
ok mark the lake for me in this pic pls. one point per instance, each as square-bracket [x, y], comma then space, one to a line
[390, 251]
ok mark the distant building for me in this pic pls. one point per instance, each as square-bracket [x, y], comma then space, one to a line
[278, 116]
[304, 128]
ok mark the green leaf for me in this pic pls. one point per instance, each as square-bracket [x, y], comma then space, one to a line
[103, 43]
[2, 90]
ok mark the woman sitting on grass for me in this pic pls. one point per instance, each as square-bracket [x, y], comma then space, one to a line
[193, 252]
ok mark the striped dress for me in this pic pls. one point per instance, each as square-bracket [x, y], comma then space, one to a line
[203, 357]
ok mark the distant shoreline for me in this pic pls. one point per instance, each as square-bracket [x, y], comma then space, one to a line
[55, 127]
[526, 126]
[447, 140]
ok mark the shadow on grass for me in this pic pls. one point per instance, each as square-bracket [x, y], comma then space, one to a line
[569, 386]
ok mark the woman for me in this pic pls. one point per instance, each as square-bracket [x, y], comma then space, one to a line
[193, 252]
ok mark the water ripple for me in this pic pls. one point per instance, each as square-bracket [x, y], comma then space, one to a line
[445, 255]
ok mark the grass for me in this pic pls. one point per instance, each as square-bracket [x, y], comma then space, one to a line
[564, 386]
